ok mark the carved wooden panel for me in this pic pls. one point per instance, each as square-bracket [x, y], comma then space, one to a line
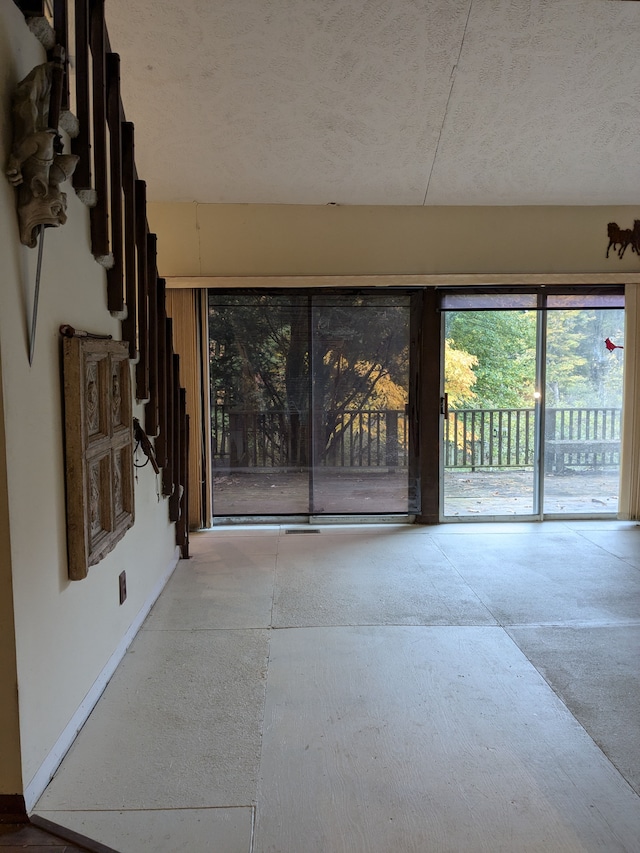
[98, 449]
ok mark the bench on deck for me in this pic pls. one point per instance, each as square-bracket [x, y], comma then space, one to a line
[558, 452]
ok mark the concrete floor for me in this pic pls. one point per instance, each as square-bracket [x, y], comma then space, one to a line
[385, 689]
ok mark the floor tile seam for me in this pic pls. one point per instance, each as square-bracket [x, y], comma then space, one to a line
[262, 718]
[111, 810]
[530, 528]
[624, 560]
[275, 578]
[475, 527]
[578, 722]
[152, 629]
[622, 623]
[511, 527]
[496, 624]
[384, 625]
[606, 550]
[467, 584]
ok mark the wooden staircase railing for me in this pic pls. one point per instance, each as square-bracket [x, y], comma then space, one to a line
[107, 179]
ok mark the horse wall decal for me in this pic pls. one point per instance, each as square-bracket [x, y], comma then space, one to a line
[621, 238]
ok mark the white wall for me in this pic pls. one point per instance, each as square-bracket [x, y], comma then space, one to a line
[10, 765]
[65, 633]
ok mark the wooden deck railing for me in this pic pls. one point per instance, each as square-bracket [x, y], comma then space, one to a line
[505, 438]
[580, 438]
[277, 439]
[473, 438]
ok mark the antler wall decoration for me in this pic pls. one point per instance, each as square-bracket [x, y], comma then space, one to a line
[621, 238]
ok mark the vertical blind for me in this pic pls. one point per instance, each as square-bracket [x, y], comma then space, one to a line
[629, 506]
[183, 308]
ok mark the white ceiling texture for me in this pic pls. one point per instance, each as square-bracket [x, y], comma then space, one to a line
[409, 102]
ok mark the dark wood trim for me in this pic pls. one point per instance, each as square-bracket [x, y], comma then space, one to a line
[99, 213]
[61, 27]
[182, 522]
[161, 441]
[413, 406]
[142, 368]
[167, 473]
[174, 435]
[57, 86]
[81, 145]
[130, 324]
[184, 513]
[429, 410]
[115, 275]
[202, 301]
[13, 809]
[31, 8]
[151, 409]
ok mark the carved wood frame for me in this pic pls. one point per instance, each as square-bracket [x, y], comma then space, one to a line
[98, 449]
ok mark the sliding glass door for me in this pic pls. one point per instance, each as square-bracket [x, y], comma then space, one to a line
[309, 402]
[583, 406]
[532, 403]
[311, 393]
[490, 430]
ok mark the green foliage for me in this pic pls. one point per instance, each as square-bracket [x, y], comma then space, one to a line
[504, 344]
[580, 371]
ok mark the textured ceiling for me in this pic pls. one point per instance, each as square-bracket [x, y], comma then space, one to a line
[383, 101]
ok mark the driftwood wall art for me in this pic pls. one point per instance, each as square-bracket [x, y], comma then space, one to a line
[621, 238]
[36, 164]
[98, 449]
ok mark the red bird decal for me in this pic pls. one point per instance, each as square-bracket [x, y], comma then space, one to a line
[611, 346]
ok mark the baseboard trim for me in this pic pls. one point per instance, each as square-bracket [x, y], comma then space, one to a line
[70, 835]
[44, 774]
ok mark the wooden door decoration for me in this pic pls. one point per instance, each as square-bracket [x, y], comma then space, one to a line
[98, 448]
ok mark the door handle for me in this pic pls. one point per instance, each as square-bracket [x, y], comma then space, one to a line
[444, 406]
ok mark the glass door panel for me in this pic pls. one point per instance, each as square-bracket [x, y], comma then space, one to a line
[309, 396]
[360, 393]
[491, 413]
[583, 402]
[259, 368]
[533, 402]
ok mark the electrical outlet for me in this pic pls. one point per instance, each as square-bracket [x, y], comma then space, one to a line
[122, 581]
